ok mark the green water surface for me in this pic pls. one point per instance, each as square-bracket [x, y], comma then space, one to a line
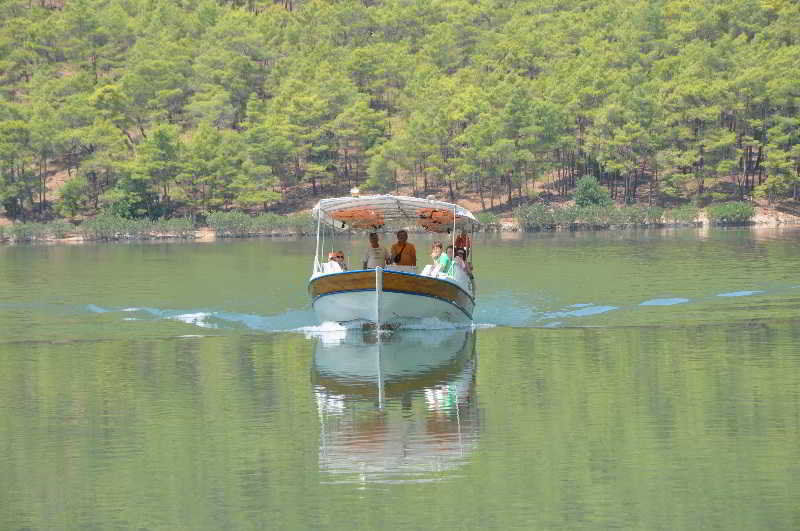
[630, 380]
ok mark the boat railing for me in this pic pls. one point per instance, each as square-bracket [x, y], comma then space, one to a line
[401, 268]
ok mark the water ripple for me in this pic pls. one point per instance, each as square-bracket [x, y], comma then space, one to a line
[740, 293]
[664, 302]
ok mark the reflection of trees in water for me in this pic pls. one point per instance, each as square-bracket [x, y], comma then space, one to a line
[397, 408]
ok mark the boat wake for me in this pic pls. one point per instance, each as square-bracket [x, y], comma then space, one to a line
[289, 321]
[499, 309]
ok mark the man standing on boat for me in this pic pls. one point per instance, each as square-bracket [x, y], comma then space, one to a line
[404, 253]
[375, 255]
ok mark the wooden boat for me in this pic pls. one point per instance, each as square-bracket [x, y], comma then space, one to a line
[394, 295]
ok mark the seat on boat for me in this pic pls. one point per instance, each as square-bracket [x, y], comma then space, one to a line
[432, 270]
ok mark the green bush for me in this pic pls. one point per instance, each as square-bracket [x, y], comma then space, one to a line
[27, 232]
[487, 218]
[685, 214]
[266, 223]
[230, 224]
[634, 215]
[599, 216]
[590, 192]
[302, 223]
[655, 215]
[735, 213]
[566, 217]
[238, 224]
[534, 217]
[111, 227]
[176, 227]
[59, 228]
[540, 217]
[72, 196]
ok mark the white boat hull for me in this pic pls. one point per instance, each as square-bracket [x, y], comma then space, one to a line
[395, 308]
[403, 299]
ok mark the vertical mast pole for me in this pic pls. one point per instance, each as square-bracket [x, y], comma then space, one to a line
[454, 230]
[316, 251]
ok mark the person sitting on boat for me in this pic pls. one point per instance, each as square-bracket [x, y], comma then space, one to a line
[441, 261]
[463, 241]
[404, 253]
[461, 261]
[376, 255]
[336, 262]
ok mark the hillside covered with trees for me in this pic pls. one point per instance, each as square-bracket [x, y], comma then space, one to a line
[167, 108]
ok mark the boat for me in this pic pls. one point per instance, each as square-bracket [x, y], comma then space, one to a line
[395, 295]
[395, 406]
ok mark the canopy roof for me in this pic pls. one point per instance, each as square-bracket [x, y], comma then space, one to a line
[378, 212]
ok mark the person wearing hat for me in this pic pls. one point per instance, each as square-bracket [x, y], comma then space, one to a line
[336, 259]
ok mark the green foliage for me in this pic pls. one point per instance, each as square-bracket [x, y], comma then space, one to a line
[599, 217]
[655, 215]
[566, 216]
[635, 215]
[30, 232]
[175, 228]
[736, 213]
[487, 219]
[534, 217]
[541, 217]
[165, 108]
[73, 195]
[239, 224]
[59, 228]
[686, 214]
[589, 192]
[111, 227]
[27, 232]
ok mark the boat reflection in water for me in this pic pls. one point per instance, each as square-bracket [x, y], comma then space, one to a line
[399, 407]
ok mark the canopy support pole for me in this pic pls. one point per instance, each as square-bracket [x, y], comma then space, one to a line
[316, 251]
[454, 231]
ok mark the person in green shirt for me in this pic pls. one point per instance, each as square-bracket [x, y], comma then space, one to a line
[440, 258]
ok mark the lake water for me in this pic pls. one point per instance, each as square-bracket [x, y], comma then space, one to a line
[632, 380]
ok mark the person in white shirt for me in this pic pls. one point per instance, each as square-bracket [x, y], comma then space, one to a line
[336, 262]
[375, 255]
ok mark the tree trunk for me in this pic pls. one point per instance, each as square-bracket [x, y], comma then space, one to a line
[43, 198]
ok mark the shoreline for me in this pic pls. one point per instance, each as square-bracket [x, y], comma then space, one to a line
[762, 220]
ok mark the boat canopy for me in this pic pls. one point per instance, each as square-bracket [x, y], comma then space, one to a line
[376, 212]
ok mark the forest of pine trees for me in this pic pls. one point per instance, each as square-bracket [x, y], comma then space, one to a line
[164, 108]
